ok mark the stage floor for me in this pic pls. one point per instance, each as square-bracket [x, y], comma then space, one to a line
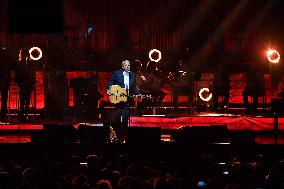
[17, 132]
[233, 121]
[167, 121]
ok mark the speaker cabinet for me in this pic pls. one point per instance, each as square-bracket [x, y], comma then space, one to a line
[195, 135]
[93, 134]
[242, 138]
[144, 135]
[56, 133]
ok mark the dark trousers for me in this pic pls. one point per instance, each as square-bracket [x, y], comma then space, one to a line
[223, 92]
[121, 120]
[4, 99]
[254, 95]
[25, 97]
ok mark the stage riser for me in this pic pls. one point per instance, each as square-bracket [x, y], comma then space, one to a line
[257, 125]
[233, 122]
[146, 136]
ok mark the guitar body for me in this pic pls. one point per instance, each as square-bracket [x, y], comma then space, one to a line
[117, 94]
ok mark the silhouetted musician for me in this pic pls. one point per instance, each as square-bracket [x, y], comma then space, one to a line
[254, 88]
[5, 73]
[220, 87]
[183, 81]
[150, 82]
[277, 104]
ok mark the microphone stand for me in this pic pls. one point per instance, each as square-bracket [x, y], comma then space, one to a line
[275, 127]
[129, 102]
[129, 116]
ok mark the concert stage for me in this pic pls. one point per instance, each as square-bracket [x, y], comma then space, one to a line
[232, 121]
[262, 126]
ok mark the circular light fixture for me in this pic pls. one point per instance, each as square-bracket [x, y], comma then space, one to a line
[273, 56]
[38, 51]
[201, 94]
[155, 51]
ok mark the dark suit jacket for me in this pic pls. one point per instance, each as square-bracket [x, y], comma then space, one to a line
[117, 78]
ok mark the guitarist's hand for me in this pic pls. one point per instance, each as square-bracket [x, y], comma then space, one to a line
[108, 92]
[142, 96]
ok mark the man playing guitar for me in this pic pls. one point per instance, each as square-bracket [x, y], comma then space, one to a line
[125, 79]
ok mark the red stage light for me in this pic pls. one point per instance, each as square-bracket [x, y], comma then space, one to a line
[155, 51]
[273, 56]
[39, 53]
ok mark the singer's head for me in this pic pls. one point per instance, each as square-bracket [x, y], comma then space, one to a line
[126, 65]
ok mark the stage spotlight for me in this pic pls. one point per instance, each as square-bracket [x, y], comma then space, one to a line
[35, 51]
[156, 51]
[273, 56]
[206, 99]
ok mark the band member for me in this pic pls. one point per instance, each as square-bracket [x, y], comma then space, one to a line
[277, 104]
[25, 79]
[4, 82]
[182, 81]
[254, 88]
[127, 80]
[151, 82]
[221, 87]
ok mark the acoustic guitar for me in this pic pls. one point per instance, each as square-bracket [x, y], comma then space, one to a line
[118, 94]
